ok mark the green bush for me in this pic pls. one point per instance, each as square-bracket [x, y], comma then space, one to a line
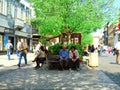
[56, 48]
[77, 46]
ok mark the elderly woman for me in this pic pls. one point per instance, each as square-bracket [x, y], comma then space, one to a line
[40, 58]
[74, 58]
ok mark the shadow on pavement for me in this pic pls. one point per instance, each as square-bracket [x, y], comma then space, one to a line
[113, 63]
[30, 79]
[1, 65]
[12, 59]
[2, 72]
[114, 77]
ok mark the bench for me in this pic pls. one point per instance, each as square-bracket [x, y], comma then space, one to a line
[53, 62]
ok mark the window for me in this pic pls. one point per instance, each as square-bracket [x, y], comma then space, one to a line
[15, 12]
[27, 14]
[1, 6]
[8, 7]
[22, 12]
[15, 9]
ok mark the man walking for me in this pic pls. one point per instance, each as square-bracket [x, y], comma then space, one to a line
[22, 48]
[117, 47]
[9, 46]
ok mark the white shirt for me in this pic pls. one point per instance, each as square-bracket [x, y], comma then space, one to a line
[117, 46]
[41, 54]
[9, 45]
[71, 54]
[38, 46]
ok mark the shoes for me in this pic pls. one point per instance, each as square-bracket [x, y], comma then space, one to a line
[18, 65]
[37, 67]
[78, 69]
[33, 61]
[70, 69]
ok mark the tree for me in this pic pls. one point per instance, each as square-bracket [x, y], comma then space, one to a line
[87, 39]
[84, 16]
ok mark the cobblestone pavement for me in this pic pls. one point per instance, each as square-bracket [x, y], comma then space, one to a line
[110, 68]
[29, 78]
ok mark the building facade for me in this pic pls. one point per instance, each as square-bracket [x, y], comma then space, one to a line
[15, 18]
[111, 33]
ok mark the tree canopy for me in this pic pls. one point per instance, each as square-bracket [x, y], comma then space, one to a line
[83, 16]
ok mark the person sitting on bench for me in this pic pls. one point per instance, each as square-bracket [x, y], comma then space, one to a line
[85, 54]
[64, 54]
[74, 58]
[40, 58]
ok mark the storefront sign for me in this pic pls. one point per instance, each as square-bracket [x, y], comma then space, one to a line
[8, 31]
[19, 33]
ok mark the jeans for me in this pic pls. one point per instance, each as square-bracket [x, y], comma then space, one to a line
[17, 52]
[99, 52]
[8, 54]
[40, 60]
[64, 63]
[22, 54]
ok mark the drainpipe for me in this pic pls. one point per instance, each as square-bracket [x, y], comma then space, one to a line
[107, 33]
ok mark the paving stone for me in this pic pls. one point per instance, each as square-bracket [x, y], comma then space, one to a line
[27, 78]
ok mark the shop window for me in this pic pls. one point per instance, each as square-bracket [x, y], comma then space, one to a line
[1, 43]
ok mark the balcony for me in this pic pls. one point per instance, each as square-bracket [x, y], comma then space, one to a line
[19, 23]
[3, 21]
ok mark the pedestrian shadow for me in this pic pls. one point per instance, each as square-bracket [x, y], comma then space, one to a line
[112, 63]
[1, 65]
[115, 77]
[103, 56]
[3, 72]
[23, 65]
[12, 59]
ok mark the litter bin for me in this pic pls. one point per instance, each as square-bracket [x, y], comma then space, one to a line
[93, 59]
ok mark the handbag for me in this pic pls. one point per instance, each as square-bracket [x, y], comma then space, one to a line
[117, 52]
[25, 51]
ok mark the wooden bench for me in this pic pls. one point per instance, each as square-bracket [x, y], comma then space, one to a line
[53, 62]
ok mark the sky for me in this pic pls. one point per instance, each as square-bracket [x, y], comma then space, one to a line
[116, 4]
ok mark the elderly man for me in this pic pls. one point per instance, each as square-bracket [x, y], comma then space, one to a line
[117, 47]
[64, 55]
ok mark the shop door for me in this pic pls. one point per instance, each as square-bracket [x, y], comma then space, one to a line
[12, 40]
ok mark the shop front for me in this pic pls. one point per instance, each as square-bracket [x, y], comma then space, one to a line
[1, 38]
[9, 35]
